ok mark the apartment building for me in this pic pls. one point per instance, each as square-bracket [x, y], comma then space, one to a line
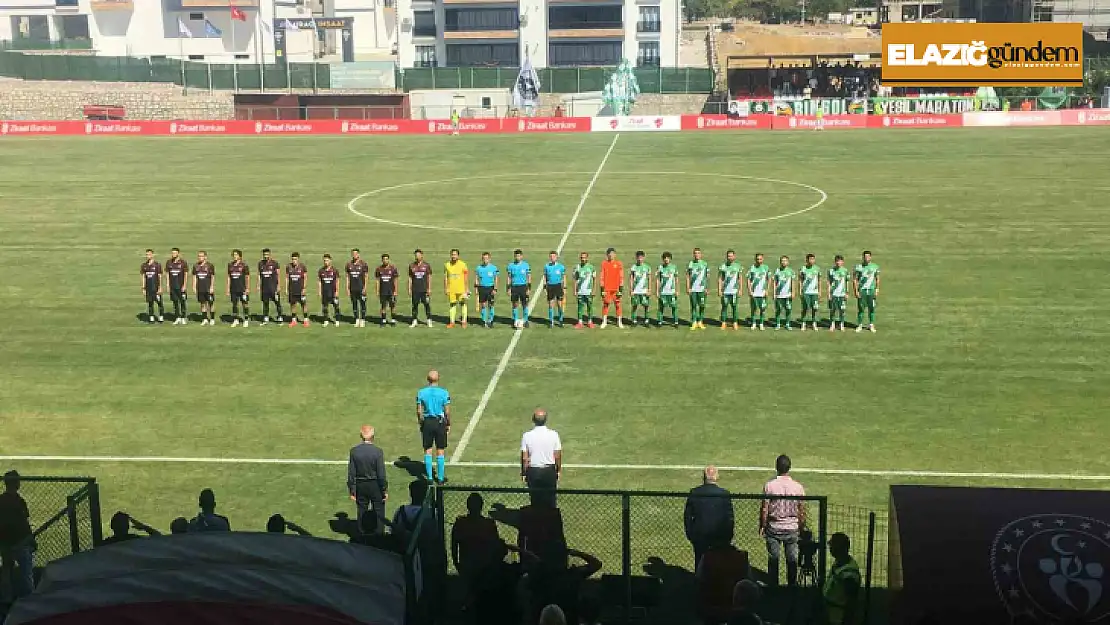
[551, 33]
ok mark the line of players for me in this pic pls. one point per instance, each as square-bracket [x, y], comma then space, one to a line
[783, 284]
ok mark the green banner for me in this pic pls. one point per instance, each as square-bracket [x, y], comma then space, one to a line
[929, 106]
[799, 106]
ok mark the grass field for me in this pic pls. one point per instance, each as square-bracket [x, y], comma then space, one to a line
[990, 356]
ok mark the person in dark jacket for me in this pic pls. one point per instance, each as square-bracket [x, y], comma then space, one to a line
[709, 518]
[366, 480]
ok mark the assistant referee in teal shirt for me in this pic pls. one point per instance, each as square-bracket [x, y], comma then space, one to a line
[433, 413]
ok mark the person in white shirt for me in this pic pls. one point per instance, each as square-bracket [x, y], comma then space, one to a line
[541, 459]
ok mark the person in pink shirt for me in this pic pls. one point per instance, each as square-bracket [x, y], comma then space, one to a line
[780, 520]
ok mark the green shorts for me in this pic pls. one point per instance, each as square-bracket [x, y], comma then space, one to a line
[759, 302]
[866, 300]
[698, 298]
[668, 301]
[585, 299]
[784, 303]
[728, 300]
[809, 302]
[838, 303]
[641, 300]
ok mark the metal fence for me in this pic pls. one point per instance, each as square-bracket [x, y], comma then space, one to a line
[65, 515]
[692, 80]
[640, 540]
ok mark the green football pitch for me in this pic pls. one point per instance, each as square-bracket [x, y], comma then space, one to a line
[989, 366]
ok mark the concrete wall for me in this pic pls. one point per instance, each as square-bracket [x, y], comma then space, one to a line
[21, 99]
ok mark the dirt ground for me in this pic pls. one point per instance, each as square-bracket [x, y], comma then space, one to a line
[770, 40]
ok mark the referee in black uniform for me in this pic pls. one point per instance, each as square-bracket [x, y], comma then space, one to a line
[366, 480]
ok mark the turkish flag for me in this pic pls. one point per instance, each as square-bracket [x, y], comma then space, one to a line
[236, 14]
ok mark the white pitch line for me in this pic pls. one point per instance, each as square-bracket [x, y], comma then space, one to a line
[607, 467]
[504, 362]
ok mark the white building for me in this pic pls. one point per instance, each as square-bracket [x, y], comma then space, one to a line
[553, 33]
[202, 30]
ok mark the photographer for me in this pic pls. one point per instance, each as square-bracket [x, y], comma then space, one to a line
[780, 520]
[277, 525]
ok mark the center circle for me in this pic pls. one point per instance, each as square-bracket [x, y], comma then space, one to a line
[353, 204]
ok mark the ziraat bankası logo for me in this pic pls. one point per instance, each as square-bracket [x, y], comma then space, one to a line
[982, 55]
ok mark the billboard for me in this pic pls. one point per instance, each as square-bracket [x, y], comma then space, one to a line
[980, 54]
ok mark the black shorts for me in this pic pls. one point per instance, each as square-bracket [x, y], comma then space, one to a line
[204, 297]
[296, 297]
[358, 297]
[387, 299]
[240, 297]
[433, 433]
[518, 294]
[554, 291]
[178, 293]
[329, 299]
[270, 295]
[419, 298]
[485, 295]
[152, 296]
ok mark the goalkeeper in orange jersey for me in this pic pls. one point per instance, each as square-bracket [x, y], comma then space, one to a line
[612, 286]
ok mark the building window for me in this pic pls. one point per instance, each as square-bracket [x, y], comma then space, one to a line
[423, 24]
[483, 55]
[196, 17]
[66, 4]
[242, 56]
[584, 17]
[648, 55]
[480, 19]
[649, 20]
[607, 53]
[196, 57]
[425, 56]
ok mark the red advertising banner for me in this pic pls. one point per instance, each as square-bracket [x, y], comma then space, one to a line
[291, 128]
[724, 122]
[1012, 118]
[810, 122]
[914, 121]
[1085, 117]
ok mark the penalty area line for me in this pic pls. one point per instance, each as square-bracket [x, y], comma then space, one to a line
[503, 364]
[587, 466]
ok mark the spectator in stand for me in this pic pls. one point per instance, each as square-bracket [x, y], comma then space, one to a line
[433, 555]
[780, 521]
[589, 609]
[745, 597]
[720, 569]
[544, 585]
[16, 543]
[842, 583]
[709, 518]
[552, 615]
[478, 554]
[180, 525]
[540, 532]
[208, 520]
[277, 525]
[120, 525]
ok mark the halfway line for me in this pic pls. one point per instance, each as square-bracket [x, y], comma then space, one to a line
[625, 467]
[504, 362]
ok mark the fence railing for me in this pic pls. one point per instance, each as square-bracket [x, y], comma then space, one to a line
[557, 79]
[65, 516]
[639, 539]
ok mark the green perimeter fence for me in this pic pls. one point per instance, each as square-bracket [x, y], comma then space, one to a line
[198, 75]
[647, 563]
[557, 79]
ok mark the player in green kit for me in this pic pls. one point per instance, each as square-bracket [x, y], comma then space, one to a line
[785, 290]
[865, 283]
[758, 275]
[810, 275]
[728, 287]
[584, 275]
[666, 286]
[640, 273]
[697, 274]
[838, 293]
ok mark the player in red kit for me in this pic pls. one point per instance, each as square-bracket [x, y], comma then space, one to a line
[296, 274]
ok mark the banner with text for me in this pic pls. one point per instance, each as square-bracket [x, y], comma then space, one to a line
[798, 106]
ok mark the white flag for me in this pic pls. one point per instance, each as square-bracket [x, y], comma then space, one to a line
[527, 90]
[183, 30]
